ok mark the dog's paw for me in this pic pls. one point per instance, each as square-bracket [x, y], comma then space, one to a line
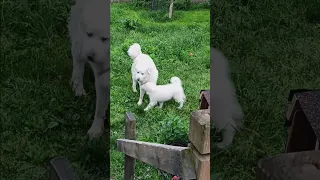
[223, 146]
[95, 131]
[139, 103]
[135, 90]
[80, 92]
[146, 109]
[78, 89]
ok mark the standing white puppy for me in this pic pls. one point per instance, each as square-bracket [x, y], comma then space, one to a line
[162, 93]
[226, 111]
[143, 69]
[89, 33]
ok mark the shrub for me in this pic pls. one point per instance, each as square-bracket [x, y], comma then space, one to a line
[181, 4]
[131, 24]
[174, 130]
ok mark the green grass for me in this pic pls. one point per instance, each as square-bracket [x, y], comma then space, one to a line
[41, 117]
[168, 42]
[273, 46]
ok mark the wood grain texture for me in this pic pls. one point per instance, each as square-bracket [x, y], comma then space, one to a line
[60, 169]
[130, 133]
[199, 130]
[291, 166]
[202, 164]
[172, 159]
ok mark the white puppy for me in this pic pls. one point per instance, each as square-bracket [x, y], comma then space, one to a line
[162, 93]
[143, 69]
[89, 34]
[226, 111]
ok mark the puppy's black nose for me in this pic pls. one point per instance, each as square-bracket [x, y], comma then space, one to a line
[91, 57]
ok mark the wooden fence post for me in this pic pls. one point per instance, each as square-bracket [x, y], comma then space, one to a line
[60, 168]
[130, 133]
[199, 135]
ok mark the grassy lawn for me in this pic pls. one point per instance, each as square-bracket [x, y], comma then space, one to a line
[41, 117]
[168, 42]
[273, 46]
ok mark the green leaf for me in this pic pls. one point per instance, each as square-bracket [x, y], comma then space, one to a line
[215, 176]
[53, 124]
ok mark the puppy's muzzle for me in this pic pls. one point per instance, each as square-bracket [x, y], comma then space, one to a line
[91, 57]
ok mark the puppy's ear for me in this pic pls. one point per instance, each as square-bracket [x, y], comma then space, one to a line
[149, 71]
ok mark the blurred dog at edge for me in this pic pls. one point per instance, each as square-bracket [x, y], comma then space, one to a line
[90, 38]
[226, 112]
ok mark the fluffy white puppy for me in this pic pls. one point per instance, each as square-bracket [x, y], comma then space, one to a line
[89, 34]
[143, 69]
[162, 93]
[226, 112]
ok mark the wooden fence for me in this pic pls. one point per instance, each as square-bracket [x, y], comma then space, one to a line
[301, 159]
[192, 162]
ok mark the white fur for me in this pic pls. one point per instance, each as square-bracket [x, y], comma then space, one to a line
[162, 93]
[89, 34]
[143, 69]
[226, 111]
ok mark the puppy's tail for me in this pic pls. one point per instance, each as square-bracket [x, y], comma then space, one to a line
[175, 80]
[134, 51]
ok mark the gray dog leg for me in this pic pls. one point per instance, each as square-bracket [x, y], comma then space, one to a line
[227, 135]
[141, 96]
[77, 73]
[102, 101]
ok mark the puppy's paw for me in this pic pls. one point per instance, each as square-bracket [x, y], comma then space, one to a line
[80, 92]
[146, 109]
[135, 90]
[223, 146]
[139, 103]
[95, 131]
[78, 88]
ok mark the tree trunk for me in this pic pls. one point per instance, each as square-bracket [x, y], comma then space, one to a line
[170, 8]
[153, 6]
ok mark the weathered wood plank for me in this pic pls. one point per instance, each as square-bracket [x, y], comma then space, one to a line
[171, 159]
[291, 166]
[199, 131]
[60, 169]
[130, 133]
[202, 164]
